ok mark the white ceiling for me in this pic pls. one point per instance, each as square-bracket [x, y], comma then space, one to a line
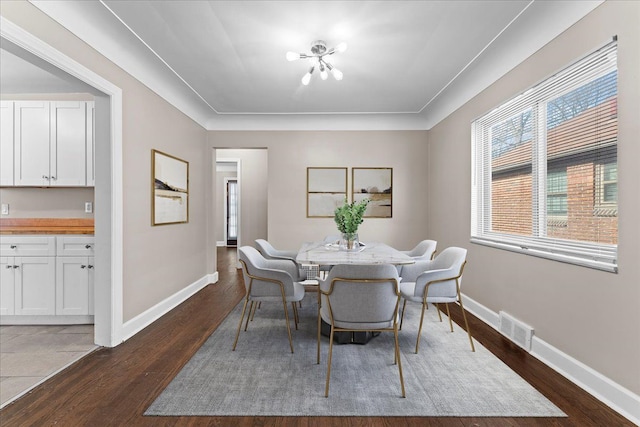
[408, 65]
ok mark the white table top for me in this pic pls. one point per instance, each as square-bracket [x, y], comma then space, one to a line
[373, 253]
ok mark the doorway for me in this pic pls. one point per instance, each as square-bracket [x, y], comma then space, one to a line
[231, 212]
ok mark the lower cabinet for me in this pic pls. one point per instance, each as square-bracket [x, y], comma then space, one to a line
[32, 282]
[45, 278]
[74, 285]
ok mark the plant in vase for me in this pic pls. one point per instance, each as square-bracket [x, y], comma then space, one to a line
[348, 218]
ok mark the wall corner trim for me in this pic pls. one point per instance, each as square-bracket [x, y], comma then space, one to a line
[144, 319]
[612, 394]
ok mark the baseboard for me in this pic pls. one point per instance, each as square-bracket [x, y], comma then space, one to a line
[144, 319]
[221, 243]
[47, 320]
[618, 398]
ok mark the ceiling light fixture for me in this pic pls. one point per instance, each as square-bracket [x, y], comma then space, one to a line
[317, 56]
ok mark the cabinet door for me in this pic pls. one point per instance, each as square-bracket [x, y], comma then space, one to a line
[7, 287]
[6, 142]
[35, 279]
[68, 143]
[91, 144]
[31, 143]
[72, 285]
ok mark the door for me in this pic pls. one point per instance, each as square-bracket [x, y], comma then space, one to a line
[68, 143]
[232, 212]
[73, 291]
[35, 285]
[6, 143]
[31, 165]
[7, 287]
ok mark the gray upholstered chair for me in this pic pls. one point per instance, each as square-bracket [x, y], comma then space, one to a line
[424, 250]
[360, 298]
[268, 280]
[269, 252]
[435, 281]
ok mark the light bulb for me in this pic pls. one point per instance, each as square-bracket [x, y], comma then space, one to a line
[336, 73]
[306, 79]
[341, 47]
[292, 56]
[324, 74]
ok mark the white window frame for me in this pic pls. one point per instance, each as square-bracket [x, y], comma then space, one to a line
[589, 254]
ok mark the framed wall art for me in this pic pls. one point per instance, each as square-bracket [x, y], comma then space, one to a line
[326, 190]
[375, 184]
[170, 189]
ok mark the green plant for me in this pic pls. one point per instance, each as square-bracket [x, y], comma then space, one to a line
[349, 216]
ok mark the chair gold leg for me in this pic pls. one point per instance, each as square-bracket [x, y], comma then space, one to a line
[404, 305]
[295, 314]
[420, 328]
[244, 306]
[286, 316]
[439, 315]
[318, 350]
[449, 316]
[252, 309]
[466, 324]
[326, 387]
[397, 356]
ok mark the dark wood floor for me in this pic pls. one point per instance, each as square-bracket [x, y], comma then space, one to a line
[115, 386]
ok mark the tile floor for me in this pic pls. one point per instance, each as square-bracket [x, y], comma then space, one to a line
[30, 354]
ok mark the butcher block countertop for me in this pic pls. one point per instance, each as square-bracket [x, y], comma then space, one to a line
[46, 226]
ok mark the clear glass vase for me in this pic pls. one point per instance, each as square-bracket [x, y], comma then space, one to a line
[349, 242]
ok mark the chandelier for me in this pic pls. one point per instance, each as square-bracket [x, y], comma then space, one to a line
[319, 58]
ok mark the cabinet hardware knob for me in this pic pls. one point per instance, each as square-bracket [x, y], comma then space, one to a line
[87, 246]
[54, 178]
[16, 266]
[90, 266]
[45, 177]
[83, 266]
[13, 246]
[8, 266]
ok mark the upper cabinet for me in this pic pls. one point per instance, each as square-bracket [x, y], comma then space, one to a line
[52, 143]
[6, 143]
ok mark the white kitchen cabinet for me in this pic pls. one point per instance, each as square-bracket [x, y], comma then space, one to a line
[34, 285]
[7, 286]
[74, 285]
[91, 144]
[46, 278]
[50, 143]
[6, 143]
[31, 143]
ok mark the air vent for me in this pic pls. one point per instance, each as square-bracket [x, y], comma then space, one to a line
[518, 332]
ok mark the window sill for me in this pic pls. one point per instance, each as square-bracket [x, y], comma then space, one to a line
[540, 253]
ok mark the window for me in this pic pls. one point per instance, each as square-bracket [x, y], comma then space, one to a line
[545, 172]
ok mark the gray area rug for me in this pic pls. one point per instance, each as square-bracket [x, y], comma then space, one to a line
[263, 378]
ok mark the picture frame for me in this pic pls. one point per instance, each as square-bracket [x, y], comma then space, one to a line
[375, 184]
[326, 190]
[169, 189]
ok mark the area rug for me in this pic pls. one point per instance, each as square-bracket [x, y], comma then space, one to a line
[263, 378]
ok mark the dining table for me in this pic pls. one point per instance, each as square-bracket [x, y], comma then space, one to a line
[329, 254]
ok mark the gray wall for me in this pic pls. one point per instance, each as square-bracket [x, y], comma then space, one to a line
[590, 315]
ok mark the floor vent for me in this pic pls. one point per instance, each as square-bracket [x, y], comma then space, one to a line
[518, 332]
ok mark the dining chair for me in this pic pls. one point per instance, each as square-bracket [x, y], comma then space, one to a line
[268, 280]
[357, 298]
[435, 281]
[425, 250]
[269, 252]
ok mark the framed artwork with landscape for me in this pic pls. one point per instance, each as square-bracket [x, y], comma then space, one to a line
[375, 184]
[170, 189]
[326, 190]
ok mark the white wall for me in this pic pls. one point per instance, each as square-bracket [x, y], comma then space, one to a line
[592, 316]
